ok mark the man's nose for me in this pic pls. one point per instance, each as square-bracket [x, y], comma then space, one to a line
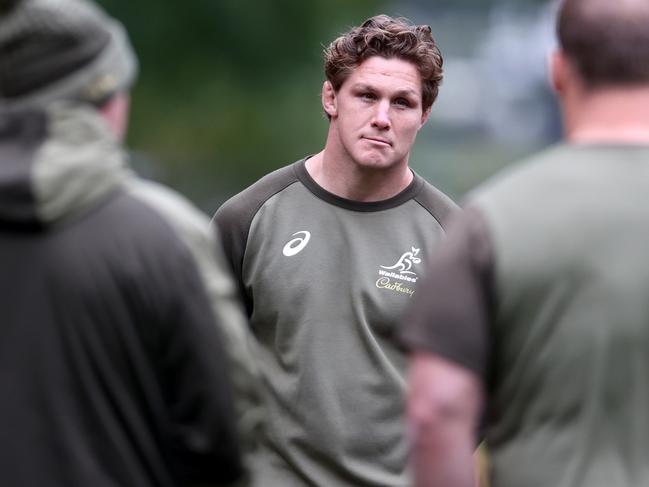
[381, 116]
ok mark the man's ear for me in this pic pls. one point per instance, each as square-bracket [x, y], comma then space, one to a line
[558, 71]
[115, 113]
[424, 116]
[329, 100]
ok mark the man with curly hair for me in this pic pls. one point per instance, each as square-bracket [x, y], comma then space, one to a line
[328, 252]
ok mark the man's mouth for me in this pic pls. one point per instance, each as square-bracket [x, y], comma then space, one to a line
[378, 140]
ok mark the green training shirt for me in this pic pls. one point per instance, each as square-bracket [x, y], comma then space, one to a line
[325, 281]
[553, 313]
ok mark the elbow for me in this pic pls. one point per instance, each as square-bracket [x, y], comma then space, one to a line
[444, 402]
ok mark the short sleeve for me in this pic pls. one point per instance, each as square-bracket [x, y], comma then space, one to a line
[451, 310]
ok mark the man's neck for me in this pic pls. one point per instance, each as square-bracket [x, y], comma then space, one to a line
[350, 181]
[344, 178]
[610, 116]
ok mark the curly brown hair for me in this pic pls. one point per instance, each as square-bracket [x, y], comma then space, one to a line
[387, 37]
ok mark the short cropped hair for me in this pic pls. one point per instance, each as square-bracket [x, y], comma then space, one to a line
[387, 37]
[607, 41]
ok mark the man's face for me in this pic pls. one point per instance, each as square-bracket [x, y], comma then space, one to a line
[377, 112]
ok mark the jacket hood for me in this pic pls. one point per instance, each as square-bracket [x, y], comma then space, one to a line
[56, 163]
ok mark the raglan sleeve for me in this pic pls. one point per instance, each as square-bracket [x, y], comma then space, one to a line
[230, 226]
[450, 313]
[242, 346]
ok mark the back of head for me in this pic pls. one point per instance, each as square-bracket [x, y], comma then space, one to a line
[607, 41]
[61, 50]
[389, 38]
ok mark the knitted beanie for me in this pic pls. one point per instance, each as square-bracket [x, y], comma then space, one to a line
[61, 49]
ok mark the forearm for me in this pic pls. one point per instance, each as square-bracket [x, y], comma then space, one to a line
[443, 407]
[444, 458]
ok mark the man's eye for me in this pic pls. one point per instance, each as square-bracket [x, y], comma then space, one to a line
[402, 102]
[368, 96]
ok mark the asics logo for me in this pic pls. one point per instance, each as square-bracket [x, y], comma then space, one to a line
[295, 246]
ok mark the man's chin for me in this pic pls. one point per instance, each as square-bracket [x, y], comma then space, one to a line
[375, 163]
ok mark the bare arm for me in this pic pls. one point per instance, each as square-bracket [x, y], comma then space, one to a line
[444, 404]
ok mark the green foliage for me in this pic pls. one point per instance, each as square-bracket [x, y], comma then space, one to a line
[229, 90]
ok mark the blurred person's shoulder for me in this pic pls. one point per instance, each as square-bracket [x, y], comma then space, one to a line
[181, 214]
[189, 225]
[523, 175]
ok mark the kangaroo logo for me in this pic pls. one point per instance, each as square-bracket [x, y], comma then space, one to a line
[405, 262]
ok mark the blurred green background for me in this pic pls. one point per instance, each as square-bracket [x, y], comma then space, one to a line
[230, 90]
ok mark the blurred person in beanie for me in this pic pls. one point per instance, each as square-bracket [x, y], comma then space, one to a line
[536, 308]
[328, 252]
[119, 318]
